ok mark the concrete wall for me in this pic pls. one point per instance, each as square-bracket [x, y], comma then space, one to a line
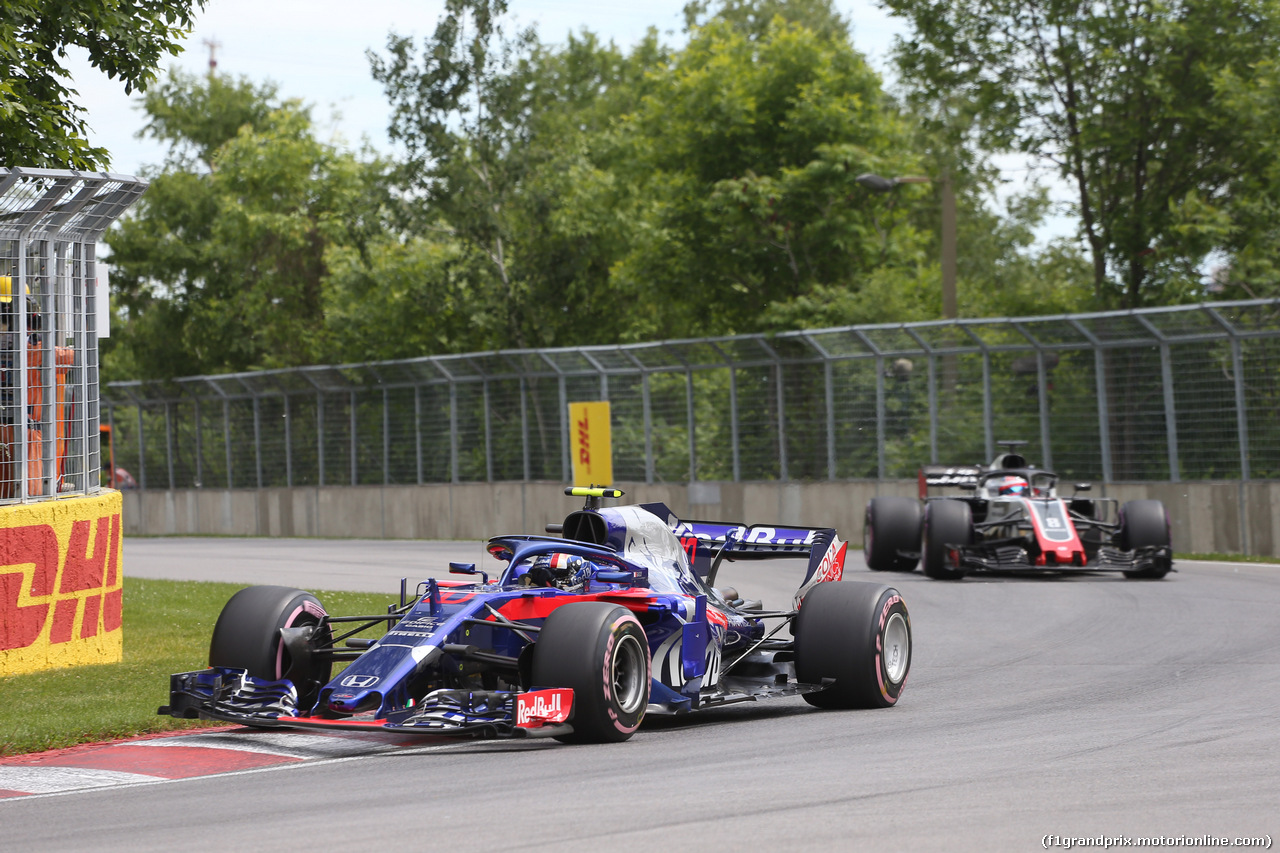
[1207, 517]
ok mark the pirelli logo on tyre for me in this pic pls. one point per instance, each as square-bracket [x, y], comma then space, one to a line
[61, 584]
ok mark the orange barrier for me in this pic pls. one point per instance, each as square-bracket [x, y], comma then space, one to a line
[61, 584]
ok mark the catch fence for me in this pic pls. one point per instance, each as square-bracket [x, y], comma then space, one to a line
[1166, 394]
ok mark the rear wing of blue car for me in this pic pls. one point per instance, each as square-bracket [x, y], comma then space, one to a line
[709, 543]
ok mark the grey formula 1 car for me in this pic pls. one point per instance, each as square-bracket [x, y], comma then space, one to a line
[1013, 519]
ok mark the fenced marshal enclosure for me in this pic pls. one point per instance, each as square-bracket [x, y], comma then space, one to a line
[61, 530]
[50, 222]
[1166, 394]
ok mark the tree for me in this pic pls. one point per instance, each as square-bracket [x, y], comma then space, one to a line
[227, 268]
[41, 125]
[1124, 99]
[746, 154]
[508, 145]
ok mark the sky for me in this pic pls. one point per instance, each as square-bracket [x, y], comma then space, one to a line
[315, 50]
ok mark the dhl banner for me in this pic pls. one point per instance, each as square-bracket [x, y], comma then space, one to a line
[61, 584]
[591, 444]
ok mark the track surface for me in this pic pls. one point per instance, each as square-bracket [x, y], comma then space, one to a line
[1082, 706]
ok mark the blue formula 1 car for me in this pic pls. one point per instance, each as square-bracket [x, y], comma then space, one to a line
[578, 637]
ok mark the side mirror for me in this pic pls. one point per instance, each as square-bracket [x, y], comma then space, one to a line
[609, 576]
[968, 487]
[1083, 487]
[468, 569]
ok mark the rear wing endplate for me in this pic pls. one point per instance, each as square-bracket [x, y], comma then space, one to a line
[708, 543]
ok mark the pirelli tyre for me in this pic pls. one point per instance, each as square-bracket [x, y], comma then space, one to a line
[248, 635]
[1142, 524]
[947, 524]
[601, 652]
[891, 534]
[859, 636]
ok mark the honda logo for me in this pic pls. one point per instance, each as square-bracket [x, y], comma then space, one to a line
[359, 682]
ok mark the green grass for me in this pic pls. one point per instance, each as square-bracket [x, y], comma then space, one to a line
[167, 626]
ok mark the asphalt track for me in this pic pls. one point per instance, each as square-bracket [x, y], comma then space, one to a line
[1082, 707]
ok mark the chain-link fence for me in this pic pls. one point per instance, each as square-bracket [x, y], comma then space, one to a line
[1191, 392]
[50, 222]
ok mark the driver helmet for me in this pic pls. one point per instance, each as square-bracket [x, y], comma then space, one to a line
[1013, 486]
[562, 571]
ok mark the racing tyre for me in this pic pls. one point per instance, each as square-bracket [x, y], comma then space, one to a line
[600, 650]
[247, 636]
[1145, 523]
[890, 533]
[858, 634]
[946, 524]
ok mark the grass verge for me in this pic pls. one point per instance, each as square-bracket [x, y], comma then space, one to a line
[167, 626]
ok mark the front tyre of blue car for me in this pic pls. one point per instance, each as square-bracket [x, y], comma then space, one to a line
[248, 636]
[856, 638]
[601, 652]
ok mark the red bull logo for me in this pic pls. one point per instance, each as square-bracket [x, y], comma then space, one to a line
[542, 707]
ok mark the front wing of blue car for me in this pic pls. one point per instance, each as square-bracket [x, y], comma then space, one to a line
[232, 696]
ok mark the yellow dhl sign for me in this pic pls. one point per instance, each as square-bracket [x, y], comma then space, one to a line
[591, 444]
[61, 584]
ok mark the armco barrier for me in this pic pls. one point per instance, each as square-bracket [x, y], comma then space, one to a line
[61, 584]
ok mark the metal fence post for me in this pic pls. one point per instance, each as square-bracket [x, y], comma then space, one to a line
[488, 437]
[988, 415]
[881, 464]
[226, 439]
[386, 438]
[648, 427]
[142, 454]
[168, 440]
[524, 428]
[933, 409]
[288, 443]
[692, 424]
[319, 438]
[1042, 389]
[830, 400]
[453, 432]
[257, 443]
[199, 445]
[1170, 414]
[733, 423]
[566, 470]
[417, 429]
[783, 473]
[352, 412]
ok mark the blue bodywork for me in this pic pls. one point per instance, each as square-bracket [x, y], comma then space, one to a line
[458, 653]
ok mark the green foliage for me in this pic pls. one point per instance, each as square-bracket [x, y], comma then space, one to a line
[556, 195]
[41, 125]
[226, 269]
[747, 152]
[1125, 100]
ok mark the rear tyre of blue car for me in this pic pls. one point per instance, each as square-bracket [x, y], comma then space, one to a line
[891, 534]
[1142, 524]
[858, 635]
[948, 525]
[247, 636]
[601, 652]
